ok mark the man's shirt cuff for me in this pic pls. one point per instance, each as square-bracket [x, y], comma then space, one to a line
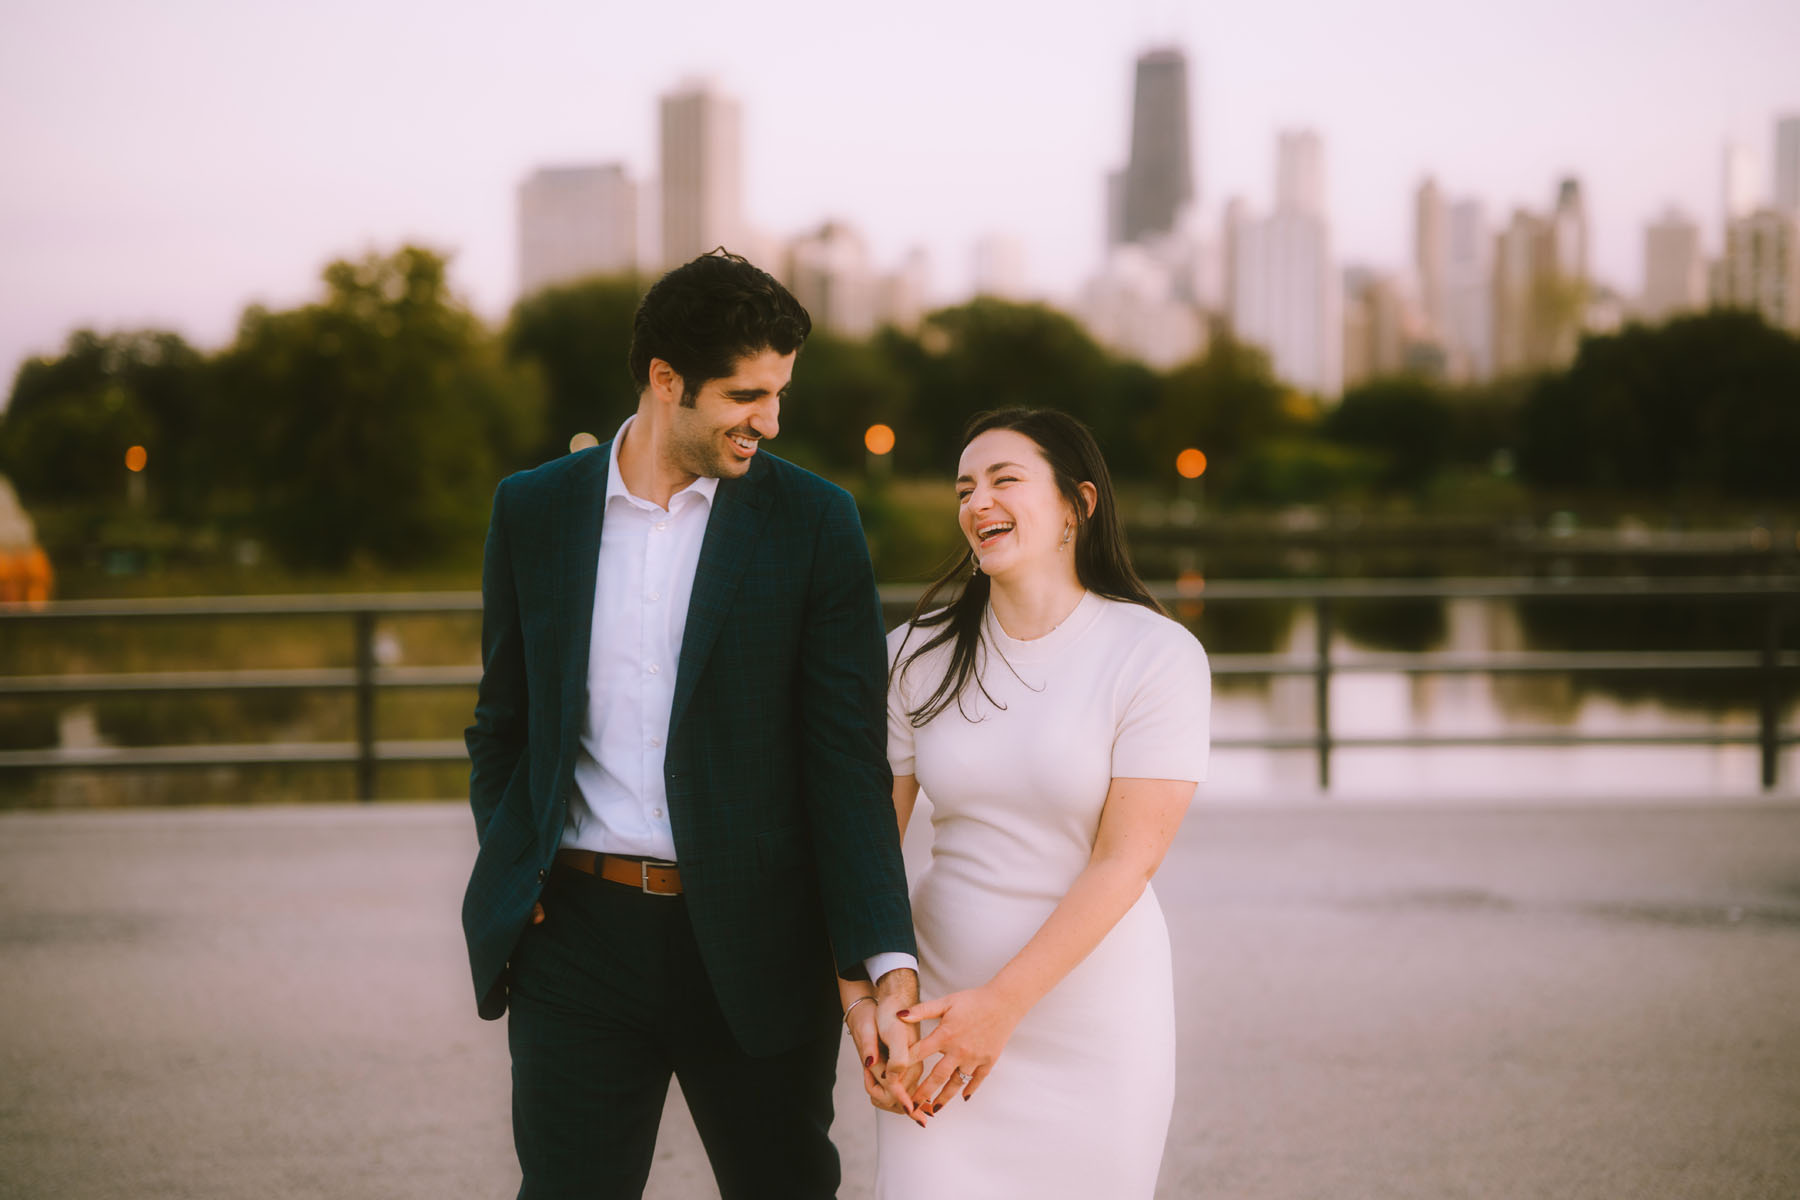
[880, 964]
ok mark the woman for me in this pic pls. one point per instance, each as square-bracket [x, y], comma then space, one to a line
[1057, 719]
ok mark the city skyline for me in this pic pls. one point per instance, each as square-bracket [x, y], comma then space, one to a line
[166, 170]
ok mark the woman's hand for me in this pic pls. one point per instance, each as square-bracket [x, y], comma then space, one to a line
[973, 1027]
[862, 1020]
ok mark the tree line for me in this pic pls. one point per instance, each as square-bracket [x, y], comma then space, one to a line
[373, 423]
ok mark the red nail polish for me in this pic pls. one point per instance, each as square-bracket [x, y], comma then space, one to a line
[869, 1061]
[903, 1013]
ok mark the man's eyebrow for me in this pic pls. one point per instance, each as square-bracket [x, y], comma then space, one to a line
[754, 393]
[999, 466]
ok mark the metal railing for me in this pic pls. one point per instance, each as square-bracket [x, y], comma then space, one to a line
[1770, 599]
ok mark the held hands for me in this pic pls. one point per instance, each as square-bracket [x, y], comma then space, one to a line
[887, 1083]
[884, 1042]
[973, 1028]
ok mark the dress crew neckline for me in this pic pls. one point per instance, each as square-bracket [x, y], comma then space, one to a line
[1070, 627]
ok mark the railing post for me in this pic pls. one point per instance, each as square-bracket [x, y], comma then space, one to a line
[365, 706]
[1771, 693]
[1322, 688]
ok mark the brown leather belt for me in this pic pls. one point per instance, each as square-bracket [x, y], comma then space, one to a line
[646, 874]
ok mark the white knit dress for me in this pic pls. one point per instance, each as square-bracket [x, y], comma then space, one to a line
[1078, 1104]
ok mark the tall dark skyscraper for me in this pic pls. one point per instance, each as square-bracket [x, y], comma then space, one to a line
[1158, 181]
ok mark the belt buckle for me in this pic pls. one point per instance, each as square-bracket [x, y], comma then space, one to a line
[644, 865]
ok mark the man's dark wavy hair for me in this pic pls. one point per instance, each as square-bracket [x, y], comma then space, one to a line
[705, 315]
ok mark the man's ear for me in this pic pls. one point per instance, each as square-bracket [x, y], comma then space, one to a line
[665, 384]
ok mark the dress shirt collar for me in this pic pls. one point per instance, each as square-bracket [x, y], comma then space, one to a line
[703, 487]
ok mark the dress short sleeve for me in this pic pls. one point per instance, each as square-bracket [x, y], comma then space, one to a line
[1164, 724]
[900, 728]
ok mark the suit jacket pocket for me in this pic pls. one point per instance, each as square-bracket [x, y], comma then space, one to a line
[508, 839]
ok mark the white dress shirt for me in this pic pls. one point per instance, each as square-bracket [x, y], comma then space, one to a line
[645, 580]
[648, 557]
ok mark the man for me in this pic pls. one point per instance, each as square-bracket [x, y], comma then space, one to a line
[679, 777]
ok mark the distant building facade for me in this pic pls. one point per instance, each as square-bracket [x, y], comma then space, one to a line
[1286, 294]
[702, 173]
[1375, 333]
[829, 272]
[1148, 198]
[1468, 335]
[575, 222]
[1760, 269]
[1431, 258]
[1000, 267]
[1674, 268]
[1787, 165]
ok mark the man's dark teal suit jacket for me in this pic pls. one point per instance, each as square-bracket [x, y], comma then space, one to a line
[779, 790]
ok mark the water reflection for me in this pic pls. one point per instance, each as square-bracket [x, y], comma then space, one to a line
[1395, 704]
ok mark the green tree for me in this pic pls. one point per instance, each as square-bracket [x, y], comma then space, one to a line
[1225, 404]
[842, 387]
[578, 339]
[1407, 423]
[376, 422]
[991, 354]
[70, 419]
[1705, 402]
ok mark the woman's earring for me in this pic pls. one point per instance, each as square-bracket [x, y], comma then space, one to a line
[975, 562]
[1068, 532]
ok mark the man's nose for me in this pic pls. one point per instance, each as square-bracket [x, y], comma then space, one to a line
[766, 420]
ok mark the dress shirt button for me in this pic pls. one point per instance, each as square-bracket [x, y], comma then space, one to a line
[656, 812]
[661, 525]
[653, 669]
[653, 743]
[653, 597]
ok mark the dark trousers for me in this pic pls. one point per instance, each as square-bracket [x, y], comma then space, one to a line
[608, 999]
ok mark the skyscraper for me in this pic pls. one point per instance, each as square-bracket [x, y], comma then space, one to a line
[1761, 267]
[1787, 165]
[1299, 173]
[702, 184]
[1522, 258]
[1569, 228]
[1158, 180]
[830, 274]
[576, 221]
[1431, 257]
[1000, 267]
[1674, 268]
[1738, 183]
[1469, 295]
[1287, 296]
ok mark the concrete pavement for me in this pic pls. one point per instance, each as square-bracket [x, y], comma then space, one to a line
[1554, 1002]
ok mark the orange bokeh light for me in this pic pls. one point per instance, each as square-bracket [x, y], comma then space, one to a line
[135, 458]
[1190, 463]
[879, 439]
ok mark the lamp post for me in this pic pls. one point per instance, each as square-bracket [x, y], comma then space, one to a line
[136, 459]
[1190, 465]
[878, 440]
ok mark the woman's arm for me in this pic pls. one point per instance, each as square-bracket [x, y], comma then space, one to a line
[1137, 824]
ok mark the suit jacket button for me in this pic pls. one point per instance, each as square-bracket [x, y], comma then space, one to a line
[542, 874]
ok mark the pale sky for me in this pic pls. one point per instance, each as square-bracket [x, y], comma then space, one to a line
[165, 163]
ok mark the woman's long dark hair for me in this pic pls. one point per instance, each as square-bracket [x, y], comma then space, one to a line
[1102, 563]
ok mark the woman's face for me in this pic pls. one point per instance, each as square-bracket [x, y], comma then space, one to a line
[1008, 505]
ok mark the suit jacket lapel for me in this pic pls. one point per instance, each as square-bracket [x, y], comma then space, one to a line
[739, 508]
[578, 520]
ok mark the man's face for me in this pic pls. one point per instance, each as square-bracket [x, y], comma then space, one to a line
[719, 434]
